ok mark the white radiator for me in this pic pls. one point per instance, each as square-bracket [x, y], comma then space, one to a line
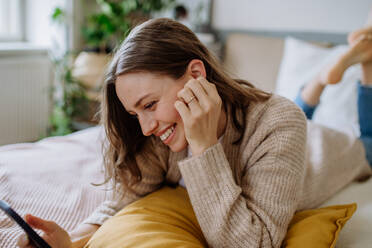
[24, 98]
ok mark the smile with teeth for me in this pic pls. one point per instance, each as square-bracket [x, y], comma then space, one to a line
[167, 133]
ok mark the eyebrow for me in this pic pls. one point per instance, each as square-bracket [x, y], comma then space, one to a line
[141, 99]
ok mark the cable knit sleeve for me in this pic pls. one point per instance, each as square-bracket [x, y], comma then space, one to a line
[255, 213]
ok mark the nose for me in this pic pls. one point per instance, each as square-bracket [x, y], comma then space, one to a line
[148, 125]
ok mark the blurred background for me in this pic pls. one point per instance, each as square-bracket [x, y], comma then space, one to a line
[53, 53]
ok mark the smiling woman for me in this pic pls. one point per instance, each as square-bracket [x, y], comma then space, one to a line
[150, 98]
[141, 66]
[172, 116]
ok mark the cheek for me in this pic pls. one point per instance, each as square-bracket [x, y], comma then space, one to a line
[168, 113]
[176, 117]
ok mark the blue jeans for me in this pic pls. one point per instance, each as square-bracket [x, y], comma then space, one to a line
[364, 111]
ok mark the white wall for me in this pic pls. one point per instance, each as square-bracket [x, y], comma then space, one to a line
[336, 16]
[40, 30]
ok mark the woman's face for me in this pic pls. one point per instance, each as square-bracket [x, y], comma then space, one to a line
[150, 98]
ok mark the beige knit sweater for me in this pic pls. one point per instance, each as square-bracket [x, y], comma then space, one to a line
[245, 195]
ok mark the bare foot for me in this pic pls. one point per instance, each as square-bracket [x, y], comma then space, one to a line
[355, 35]
[364, 36]
[360, 51]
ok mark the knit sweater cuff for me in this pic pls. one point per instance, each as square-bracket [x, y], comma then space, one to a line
[103, 212]
[208, 170]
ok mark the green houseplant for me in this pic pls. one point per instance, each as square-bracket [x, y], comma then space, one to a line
[68, 93]
[69, 99]
[109, 26]
[105, 29]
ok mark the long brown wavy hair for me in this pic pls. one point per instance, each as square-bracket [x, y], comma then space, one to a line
[165, 47]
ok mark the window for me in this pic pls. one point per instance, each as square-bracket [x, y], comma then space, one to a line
[11, 20]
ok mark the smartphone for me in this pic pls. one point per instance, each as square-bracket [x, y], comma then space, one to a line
[34, 238]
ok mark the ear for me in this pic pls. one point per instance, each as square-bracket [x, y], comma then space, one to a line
[196, 68]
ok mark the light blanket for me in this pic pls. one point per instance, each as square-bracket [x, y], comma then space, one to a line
[51, 179]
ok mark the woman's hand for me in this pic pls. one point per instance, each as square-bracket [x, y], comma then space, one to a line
[200, 110]
[54, 235]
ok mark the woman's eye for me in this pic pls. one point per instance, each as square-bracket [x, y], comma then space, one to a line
[149, 105]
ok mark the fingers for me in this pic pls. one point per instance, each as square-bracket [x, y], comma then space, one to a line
[359, 34]
[186, 95]
[209, 88]
[198, 98]
[182, 110]
[23, 241]
[198, 90]
[44, 225]
[201, 89]
[190, 99]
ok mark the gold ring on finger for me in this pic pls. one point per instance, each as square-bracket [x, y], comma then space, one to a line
[191, 99]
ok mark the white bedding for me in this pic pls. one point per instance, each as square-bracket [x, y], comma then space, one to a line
[51, 179]
[357, 233]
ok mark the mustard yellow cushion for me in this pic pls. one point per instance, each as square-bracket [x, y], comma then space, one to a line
[165, 218]
[318, 227]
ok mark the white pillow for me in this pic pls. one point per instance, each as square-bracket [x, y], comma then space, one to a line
[301, 62]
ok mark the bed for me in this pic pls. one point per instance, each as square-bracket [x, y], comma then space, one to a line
[52, 178]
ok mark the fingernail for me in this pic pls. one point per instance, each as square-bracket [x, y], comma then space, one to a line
[177, 103]
[23, 240]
